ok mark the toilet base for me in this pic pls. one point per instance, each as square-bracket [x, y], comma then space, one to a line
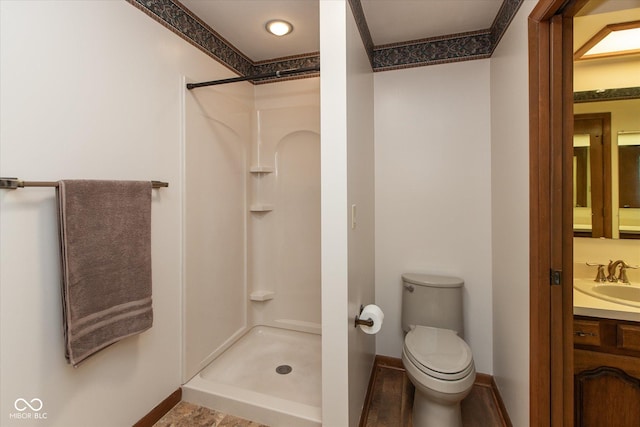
[432, 407]
[430, 413]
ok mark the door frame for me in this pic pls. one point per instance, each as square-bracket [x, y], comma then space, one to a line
[550, 28]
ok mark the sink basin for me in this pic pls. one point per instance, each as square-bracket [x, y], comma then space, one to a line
[614, 292]
[625, 292]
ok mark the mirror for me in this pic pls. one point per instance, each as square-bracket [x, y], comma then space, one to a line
[606, 160]
[608, 86]
[629, 183]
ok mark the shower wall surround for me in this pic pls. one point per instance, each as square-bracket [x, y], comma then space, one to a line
[284, 228]
[216, 155]
[252, 214]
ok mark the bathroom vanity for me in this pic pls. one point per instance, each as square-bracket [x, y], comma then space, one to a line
[606, 361]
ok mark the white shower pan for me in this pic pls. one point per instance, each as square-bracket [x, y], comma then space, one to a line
[270, 375]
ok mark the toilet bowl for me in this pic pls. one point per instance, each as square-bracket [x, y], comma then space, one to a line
[437, 360]
[440, 366]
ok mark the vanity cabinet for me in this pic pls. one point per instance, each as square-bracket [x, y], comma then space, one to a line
[606, 372]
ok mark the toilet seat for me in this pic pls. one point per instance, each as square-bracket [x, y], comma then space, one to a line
[439, 353]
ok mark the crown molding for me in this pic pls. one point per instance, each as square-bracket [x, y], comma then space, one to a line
[363, 28]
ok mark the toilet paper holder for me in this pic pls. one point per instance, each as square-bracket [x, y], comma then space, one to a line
[358, 321]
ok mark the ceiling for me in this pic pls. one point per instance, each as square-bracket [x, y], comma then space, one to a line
[396, 33]
[591, 21]
[241, 22]
[605, 73]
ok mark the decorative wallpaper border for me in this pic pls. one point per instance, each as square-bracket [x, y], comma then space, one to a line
[607, 95]
[363, 28]
[505, 15]
[450, 48]
[291, 62]
[436, 50]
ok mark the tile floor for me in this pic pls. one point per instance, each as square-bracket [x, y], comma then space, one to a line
[186, 414]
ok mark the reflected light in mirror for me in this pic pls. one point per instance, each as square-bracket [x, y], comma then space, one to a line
[629, 137]
[581, 178]
[612, 40]
[581, 140]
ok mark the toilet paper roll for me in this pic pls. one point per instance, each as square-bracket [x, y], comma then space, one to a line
[374, 313]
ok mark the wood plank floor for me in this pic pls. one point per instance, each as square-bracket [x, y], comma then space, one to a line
[391, 401]
[389, 405]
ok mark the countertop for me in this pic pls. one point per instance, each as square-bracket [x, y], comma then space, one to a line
[586, 305]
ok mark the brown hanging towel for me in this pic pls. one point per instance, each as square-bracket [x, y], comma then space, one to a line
[105, 236]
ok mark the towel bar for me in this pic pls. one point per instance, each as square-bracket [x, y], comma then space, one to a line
[13, 183]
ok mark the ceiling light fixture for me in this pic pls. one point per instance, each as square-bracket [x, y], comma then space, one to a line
[278, 27]
[612, 40]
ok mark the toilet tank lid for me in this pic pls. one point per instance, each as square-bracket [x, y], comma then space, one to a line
[432, 280]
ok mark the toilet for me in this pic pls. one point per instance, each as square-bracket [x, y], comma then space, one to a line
[437, 360]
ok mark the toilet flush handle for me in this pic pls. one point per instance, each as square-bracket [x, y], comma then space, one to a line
[408, 287]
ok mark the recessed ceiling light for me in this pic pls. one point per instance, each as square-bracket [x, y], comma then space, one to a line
[612, 40]
[278, 27]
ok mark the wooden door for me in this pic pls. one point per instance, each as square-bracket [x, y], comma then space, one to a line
[551, 214]
[598, 127]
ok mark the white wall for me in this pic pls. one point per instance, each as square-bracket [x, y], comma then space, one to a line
[89, 89]
[347, 178]
[433, 192]
[360, 193]
[510, 216]
[334, 224]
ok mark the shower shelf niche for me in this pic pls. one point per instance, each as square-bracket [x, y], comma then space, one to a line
[261, 208]
[259, 172]
[261, 169]
[262, 295]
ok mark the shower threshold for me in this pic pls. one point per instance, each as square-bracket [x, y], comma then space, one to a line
[270, 375]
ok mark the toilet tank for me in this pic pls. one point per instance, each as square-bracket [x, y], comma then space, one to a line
[430, 300]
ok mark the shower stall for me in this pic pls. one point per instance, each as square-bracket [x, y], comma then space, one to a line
[251, 215]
